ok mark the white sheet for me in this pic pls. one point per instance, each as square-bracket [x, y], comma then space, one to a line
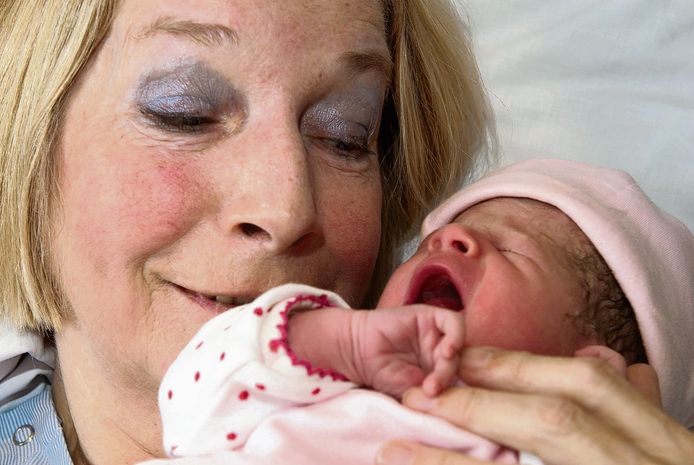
[606, 82]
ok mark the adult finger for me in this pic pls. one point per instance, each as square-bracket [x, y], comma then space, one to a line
[554, 428]
[409, 453]
[612, 357]
[589, 382]
[645, 380]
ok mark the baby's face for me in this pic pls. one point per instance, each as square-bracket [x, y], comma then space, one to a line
[504, 264]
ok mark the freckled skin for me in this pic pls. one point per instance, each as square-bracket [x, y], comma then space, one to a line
[237, 213]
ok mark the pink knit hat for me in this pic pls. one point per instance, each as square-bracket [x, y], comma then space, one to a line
[650, 253]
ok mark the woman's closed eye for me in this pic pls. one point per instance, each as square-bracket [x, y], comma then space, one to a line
[190, 100]
[345, 152]
[352, 144]
[180, 114]
[344, 129]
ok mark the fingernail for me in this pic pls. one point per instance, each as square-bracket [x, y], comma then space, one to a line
[476, 357]
[418, 400]
[395, 454]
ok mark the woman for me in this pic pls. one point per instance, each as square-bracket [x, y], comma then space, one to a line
[172, 159]
[163, 161]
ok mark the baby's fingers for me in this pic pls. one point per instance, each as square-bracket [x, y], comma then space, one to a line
[444, 373]
[435, 383]
[446, 353]
[452, 326]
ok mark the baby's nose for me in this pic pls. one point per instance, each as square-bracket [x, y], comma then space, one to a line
[454, 237]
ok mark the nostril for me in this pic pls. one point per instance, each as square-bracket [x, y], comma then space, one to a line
[460, 245]
[250, 229]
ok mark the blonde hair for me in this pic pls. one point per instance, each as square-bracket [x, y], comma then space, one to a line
[436, 120]
[437, 129]
[45, 45]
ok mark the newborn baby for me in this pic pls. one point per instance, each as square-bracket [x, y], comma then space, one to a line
[275, 379]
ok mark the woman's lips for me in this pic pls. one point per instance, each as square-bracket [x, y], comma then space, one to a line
[211, 303]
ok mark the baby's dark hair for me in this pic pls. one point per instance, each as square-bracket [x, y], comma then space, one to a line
[608, 314]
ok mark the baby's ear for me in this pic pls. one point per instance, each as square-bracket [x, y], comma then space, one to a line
[612, 357]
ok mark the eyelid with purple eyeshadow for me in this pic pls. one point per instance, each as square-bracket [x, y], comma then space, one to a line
[188, 98]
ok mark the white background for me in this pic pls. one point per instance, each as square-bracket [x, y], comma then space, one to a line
[602, 81]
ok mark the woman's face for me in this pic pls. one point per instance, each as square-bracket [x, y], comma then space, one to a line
[210, 151]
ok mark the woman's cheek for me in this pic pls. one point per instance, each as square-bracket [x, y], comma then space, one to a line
[352, 225]
[115, 222]
[145, 211]
[116, 217]
[160, 203]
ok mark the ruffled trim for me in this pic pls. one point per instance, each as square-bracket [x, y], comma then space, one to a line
[282, 341]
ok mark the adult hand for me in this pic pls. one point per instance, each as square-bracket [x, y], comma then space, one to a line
[565, 411]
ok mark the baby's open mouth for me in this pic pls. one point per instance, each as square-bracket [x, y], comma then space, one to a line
[435, 287]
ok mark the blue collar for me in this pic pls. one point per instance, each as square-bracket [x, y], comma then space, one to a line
[30, 431]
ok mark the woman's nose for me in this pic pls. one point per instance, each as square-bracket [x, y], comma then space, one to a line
[274, 202]
[454, 237]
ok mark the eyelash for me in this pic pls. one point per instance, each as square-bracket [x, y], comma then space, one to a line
[351, 148]
[180, 122]
[500, 246]
[514, 252]
[190, 123]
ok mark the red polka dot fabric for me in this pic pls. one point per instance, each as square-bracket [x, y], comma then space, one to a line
[238, 370]
[238, 395]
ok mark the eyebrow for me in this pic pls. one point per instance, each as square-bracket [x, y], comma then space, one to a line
[210, 34]
[362, 62]
[201, 33]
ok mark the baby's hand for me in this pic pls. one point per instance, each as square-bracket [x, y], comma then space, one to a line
[398, 348]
